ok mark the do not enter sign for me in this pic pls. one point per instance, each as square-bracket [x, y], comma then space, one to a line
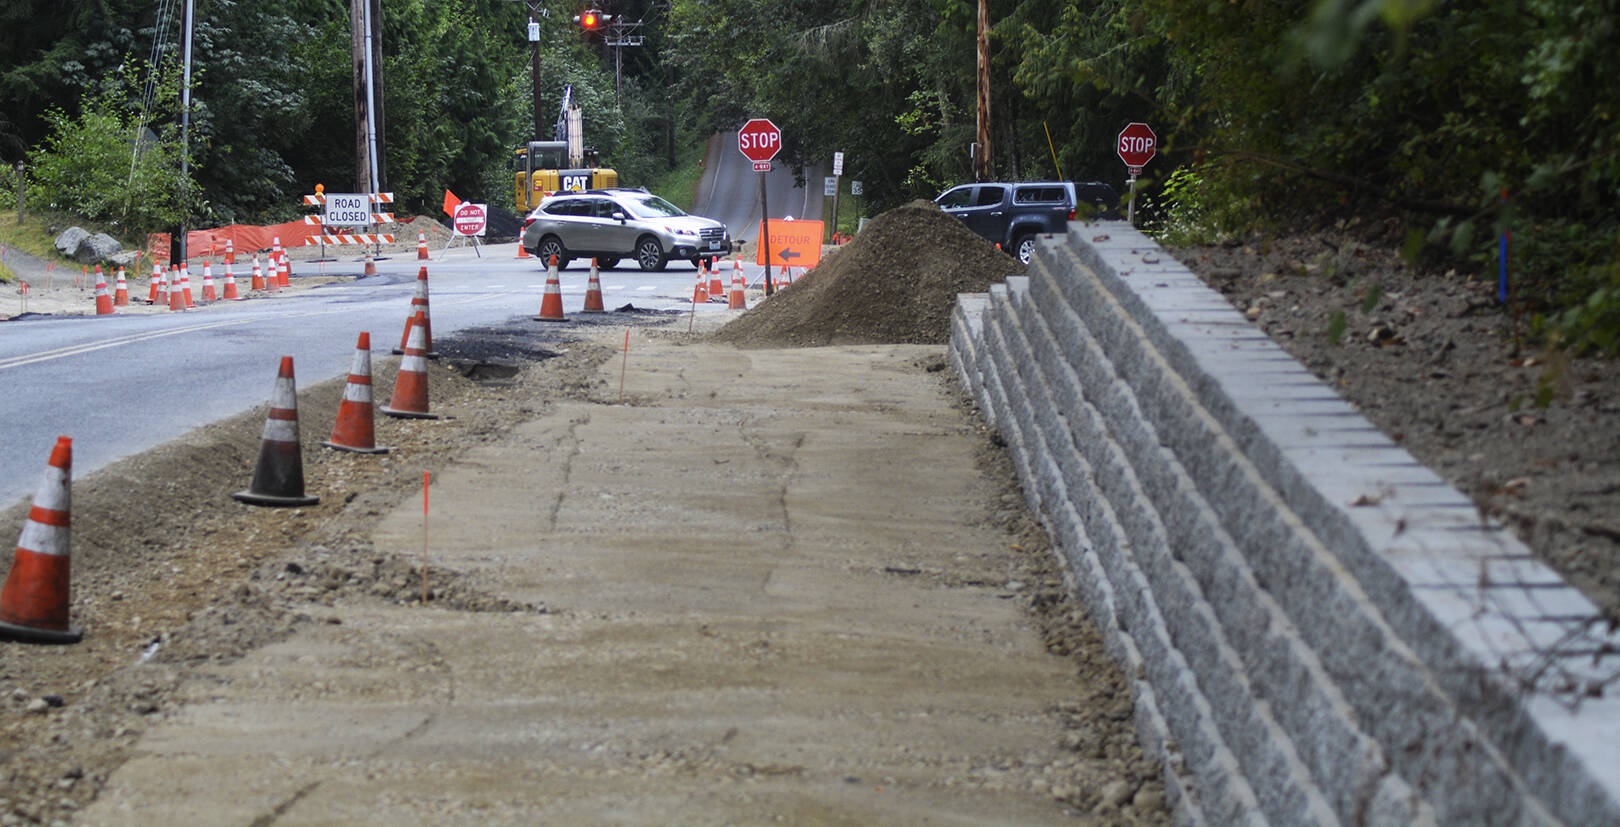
[471, 219]
[1136, 146]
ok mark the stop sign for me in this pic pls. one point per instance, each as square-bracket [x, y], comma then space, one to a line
[760, 140]
[471, 218]
[1137, 145]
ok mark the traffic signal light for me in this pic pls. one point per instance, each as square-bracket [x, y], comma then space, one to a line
[592, 19]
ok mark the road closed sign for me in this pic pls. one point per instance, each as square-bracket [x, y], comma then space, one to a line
[471, 219]
[347, 209]
[793, 243]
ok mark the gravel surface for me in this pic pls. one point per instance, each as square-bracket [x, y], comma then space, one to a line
[1530, 434]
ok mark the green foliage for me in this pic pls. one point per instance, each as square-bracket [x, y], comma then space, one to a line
[1337, 322]
[103, 165]
[1374, 294]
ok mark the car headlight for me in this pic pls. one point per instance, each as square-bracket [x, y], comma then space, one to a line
[681, 231]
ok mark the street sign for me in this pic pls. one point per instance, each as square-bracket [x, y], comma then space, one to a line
[854, 188]
[829, 186]
[1136, 146]
[760, 140]
[347, 209]
[471, 219]
[793, 243]
[838, 163]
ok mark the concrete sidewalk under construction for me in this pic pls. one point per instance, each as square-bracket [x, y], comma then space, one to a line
[777, 593]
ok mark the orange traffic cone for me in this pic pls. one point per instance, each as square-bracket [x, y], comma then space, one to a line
[738, 298]
[716, 289]
[121, 295]
[157, 286]
[272, 273]
[258, 275]
[104, 301]
[34, 602]
[410, 400]
[593, 292]
[230, 251]
[177, 299]
[700, 294]
[185, 284]
[208, 293]
[421, 246]
[354, 429]
[419, 307]
[551, 304]
[371, 264]
[230, 282]
[523, 252]
[278, 479]
[284, 273]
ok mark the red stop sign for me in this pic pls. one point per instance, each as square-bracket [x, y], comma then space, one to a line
[1136, 146]
[760, 140]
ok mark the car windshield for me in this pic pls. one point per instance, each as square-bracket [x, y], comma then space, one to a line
[651, 206]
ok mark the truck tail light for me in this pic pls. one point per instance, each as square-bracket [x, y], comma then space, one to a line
[1071, 214]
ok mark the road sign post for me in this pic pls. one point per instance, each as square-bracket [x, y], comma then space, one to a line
[759, 140]
[470, 221]
[1136, 147]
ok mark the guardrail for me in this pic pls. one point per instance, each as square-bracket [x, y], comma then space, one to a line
[1320, 629]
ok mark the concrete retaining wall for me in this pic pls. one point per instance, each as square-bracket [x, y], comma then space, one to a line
[1321, 630]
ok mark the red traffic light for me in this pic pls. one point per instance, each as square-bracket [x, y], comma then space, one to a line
[592, 19]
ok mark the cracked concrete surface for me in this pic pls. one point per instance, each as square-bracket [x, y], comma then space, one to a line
[738, 631]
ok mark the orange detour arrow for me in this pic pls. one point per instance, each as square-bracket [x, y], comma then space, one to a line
[278, 479]
[419, 307]
[104, 300]
[34, 601]
[551, 304]
[593, 292]
[737, 299]
[355, 429]
[410, 400]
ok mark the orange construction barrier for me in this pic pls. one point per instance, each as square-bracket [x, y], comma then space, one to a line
[278, 479]
[35, 599]
[355, 428]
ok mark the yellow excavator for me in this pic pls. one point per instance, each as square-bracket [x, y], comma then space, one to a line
[562, 165]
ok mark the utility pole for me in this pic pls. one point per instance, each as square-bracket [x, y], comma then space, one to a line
[981, 154]
[177, 237]
[365, 17]
[534, 46]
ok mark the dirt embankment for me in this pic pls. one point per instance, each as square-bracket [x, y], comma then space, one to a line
[1530, 434]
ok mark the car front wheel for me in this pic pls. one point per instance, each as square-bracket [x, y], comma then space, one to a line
[650, 254]
[552, 246]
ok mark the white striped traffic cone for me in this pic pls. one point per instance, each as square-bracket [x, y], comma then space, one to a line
[410, 399]
[355, 428]
[551, 309]
[35, 599]
[121, 295]
[419, 306]
[593, 292]
[278, 479]
[104, 301]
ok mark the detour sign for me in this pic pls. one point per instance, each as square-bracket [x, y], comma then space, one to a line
[793, 243]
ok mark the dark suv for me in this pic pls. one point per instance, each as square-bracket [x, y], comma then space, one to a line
[1012, 214]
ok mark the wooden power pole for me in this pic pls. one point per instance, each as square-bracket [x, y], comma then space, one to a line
[981, 154]
[365, 27]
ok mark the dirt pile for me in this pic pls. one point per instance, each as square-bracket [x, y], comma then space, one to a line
[896, 283]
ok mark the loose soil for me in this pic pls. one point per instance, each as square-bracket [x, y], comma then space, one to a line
[1431, 358]
[895, 283]
[170, 573]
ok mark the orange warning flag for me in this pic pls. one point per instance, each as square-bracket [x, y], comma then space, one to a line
[793, 244]
[450, 203]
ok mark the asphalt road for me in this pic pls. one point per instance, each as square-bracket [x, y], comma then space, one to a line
[124, 383]
[729, 191]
